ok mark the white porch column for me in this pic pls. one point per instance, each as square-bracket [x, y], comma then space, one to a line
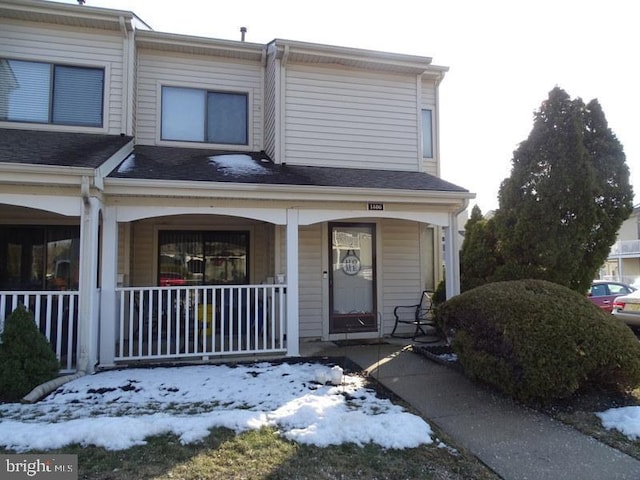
[452, 257]
[108, 282]
[293, 325]
[88, 315]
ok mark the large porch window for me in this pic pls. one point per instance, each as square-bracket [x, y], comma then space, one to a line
[203, 258]
[39, 257]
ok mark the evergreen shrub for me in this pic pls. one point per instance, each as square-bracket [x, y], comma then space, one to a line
[536, 340]
[26, 357]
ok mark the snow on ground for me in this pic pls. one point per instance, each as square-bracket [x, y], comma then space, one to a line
[624, 419]
[118, 409]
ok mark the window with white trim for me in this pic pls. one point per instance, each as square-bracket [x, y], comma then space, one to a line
[196, 115]
[427, 133]
[38, 92]
[203, 257]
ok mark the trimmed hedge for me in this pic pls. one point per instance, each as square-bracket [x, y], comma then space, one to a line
[26, 358]
[536, 340]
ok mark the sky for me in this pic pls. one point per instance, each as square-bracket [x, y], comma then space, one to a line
[504, 59]
[310, 403]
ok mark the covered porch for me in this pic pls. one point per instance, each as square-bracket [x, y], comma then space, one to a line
[125, 307]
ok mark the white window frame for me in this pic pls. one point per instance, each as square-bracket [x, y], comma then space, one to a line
[49, 125]
[207, 88]
[204, 228]
[430, 109]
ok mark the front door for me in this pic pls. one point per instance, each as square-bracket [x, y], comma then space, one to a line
[352, 281]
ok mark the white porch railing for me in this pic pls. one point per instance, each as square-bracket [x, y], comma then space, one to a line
[55, 314]
[625, 248]
[199, 321]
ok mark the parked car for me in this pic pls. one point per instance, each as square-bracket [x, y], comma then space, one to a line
[170, 279]
[627, 308]
[602, 293]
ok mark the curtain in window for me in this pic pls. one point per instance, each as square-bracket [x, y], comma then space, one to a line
[427, 136]
[77, 96]
[30, 92]
[39, 258]
[227, 118]
[203, 258]
[24, 88]
[183, 113]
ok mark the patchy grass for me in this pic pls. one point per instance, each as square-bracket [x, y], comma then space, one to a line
[263, 454]
[579, 412]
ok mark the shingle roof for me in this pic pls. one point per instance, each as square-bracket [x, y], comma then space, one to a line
[188, 164]
[58, 148]
[197, 165]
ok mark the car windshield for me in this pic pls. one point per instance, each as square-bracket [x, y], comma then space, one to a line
[635, 294]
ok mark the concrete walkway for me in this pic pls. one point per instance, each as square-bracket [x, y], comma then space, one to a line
[516, 442]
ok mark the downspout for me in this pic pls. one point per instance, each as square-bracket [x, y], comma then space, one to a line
[128, 54]
[263, 82]
[282, 74]
[84, 191]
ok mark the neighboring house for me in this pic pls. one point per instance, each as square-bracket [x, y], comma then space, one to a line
[170, 197]
[623, 264]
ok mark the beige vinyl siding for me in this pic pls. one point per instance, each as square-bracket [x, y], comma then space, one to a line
[399, 268]
[428, 101]
[270, 117]
[310, 281]
[78, 47]
[165, 68]
[342, 118]
[143, 256]
[630, 229]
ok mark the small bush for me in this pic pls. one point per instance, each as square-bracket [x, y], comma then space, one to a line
[537, 340]
[26, 358]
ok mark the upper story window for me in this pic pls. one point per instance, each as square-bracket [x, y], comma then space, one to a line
[427, 134]
[195, 115]
[40, 92]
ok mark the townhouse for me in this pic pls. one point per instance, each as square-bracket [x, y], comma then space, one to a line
[166, 197]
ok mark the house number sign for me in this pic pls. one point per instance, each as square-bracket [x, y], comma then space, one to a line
[351, 263]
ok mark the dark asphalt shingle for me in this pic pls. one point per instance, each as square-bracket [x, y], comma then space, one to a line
[70, 149]
[190, 164]
[197, 165]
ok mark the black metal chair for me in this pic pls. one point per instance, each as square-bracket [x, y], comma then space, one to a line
[421, 316]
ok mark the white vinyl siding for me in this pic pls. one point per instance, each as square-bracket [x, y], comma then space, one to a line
[399, 267]
[343, 118]
[157, 69]
[75, 47]
[310, 284]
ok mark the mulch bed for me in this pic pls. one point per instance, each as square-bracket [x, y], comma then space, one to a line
[442, 354]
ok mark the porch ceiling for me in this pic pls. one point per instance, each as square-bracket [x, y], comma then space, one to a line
[197, 165]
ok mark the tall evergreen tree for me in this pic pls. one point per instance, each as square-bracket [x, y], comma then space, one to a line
[566, 198]
[478, 259]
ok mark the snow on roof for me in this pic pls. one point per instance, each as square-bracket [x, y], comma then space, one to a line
[128, 164]
[238, 164]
